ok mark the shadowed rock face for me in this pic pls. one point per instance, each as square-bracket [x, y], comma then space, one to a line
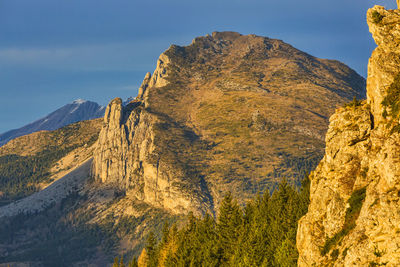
[354, 215]
[227, 113]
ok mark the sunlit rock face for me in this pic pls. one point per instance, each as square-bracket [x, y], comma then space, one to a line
[229, 112]
[354, 214]
[126, 156]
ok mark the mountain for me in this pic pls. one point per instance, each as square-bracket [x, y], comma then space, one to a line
[78, 110]
[228, 112]
[354, 215]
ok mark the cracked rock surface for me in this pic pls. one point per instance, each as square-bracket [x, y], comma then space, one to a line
[354, 214]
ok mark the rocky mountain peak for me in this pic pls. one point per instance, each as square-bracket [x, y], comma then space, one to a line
[227, 35]
[227, 112]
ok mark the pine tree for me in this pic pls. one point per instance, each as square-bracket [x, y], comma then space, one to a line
[286, 254]
[116, 262]
[143, 260]
[253, 246]
[229, 226]
[151, 245]
[165, 233]
[168, 247]
[121, 263]
[133, 262]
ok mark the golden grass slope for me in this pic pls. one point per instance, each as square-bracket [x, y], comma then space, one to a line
[260, 105]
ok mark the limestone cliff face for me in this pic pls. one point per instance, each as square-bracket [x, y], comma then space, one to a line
[354, 214]
[127, 156]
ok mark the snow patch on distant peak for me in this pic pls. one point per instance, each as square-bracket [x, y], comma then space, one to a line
[79, 101]
[75, 108]
[44, 121]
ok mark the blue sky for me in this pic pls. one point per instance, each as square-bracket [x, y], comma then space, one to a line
[55, 51]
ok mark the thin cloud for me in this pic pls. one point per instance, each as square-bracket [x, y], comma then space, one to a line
[115, 56]
[26, 55]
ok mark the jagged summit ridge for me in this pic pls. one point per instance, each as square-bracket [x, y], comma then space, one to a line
[223, 49]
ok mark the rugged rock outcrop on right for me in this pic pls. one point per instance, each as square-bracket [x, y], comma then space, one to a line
[354, 214]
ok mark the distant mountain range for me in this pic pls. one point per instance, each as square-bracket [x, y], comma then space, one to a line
[78, 110]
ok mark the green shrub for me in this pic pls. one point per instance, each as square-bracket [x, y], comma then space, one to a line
[344, 253]
[391, 102]
[335, 254]
[355, 201]
[354, 103]
[376, 17]
[391, 105]
[331, 242]
[378, 253]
